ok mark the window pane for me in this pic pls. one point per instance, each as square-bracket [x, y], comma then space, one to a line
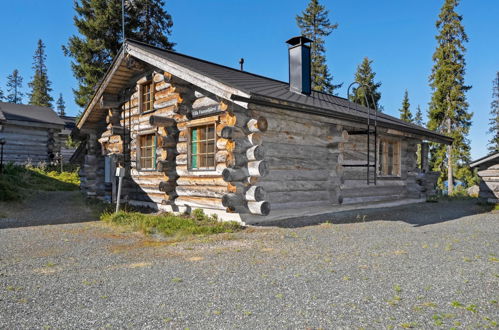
[210, 146]
[202, 148]
[390, 159]
[211, 132]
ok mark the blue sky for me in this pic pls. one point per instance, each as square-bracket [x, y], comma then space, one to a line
[397, 35]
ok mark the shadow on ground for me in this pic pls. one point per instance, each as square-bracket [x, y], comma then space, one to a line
[47, 208]
[420, 214]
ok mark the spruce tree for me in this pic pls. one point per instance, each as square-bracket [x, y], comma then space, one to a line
[2, 96]
[418, 118]
[14, 86]
[494, 119]
[315, 25]
[61, 106]
[40, 85]
[448, 112]
[100, 36]
[365, 76]
[405, 111]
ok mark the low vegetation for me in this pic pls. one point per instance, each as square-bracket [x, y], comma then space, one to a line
[16, 180]
[171, 225]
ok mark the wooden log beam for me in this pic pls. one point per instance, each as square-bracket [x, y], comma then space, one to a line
[168, 142]
[110, 101]
[249, 192]
[232, 200]
[255, 153]
[259, 208]
[161, 121]
[259, 124]
[166, 186]
[202, 191]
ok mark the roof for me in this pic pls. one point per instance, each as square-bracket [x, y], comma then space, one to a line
[29, 113]
[252, 88]
[490, 158]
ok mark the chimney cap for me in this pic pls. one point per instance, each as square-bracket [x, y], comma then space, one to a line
[299, 40]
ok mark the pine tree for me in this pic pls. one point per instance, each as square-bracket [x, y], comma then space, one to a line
[61, 106]
[494, 112]
[14, 85]
[40, 85]
[365, 76]
[2, 96]
[315, 25]
[100, 36]
[405, 111]
[448, 112]
[418, 118]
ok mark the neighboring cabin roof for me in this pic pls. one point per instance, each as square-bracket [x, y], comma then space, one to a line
[266, 91]
[492, 158]
[30, 114]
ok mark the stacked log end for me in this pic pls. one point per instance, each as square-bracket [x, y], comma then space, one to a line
[92, 171]
[241, 141]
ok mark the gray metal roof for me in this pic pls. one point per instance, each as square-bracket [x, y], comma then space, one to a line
[492, 158]
[29, 113]
[264, 89]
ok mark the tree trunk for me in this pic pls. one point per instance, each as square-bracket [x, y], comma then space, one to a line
[450, 179]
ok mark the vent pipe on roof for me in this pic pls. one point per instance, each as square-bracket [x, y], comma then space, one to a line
[299, 65]
[241, 63]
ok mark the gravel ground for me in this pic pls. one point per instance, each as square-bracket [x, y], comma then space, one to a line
[422, 266]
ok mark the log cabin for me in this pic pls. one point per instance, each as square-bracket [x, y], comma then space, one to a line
[31, 133]
[488, 171]
[195, 134]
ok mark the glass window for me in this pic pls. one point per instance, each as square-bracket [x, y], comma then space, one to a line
[202, 147]
[147, 153]
[389, 158]
[147, 91]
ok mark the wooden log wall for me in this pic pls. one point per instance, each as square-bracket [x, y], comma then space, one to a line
[303, 156]
[27, 144]
[92, 171]
[240, 141]
[489, 183]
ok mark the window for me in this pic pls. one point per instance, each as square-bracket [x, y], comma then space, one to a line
[147, 152]
[202, 147]
[389, 157]
[147, 96]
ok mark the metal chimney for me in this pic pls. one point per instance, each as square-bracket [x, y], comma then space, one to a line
[299, 65]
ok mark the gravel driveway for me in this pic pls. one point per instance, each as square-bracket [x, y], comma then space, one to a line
[422, 266]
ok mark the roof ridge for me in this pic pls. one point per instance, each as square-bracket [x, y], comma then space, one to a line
[206, 61]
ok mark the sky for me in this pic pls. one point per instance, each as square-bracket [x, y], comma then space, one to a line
[399, 36]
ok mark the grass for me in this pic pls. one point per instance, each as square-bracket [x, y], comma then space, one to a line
[16, 180]
[171, 225]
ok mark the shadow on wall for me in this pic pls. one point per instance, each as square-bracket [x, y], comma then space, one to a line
[418, 215]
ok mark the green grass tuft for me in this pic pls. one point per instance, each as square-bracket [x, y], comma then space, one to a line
[16, 180]
[171, 225]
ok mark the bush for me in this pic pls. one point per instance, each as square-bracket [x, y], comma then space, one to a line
[172, 225]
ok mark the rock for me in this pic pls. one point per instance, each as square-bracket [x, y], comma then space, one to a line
[473, 191]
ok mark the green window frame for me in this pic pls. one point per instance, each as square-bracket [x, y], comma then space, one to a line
[202, 147]
[147, 152]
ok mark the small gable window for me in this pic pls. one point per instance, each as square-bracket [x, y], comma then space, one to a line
[389, 157]
[202, 142]
[147, 152]
[147, 96]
